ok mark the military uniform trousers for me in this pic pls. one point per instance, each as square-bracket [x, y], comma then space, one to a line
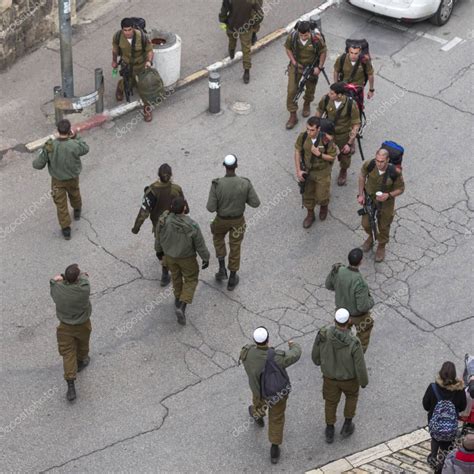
[236, 229]
[317, 190]
[184, 274]
[332, 390]
[73, 345]
[293, 80]
[133, 82]
[245, 42]
[276, 416]
[364, 325]
[384, 221]
[61, 190]
[343, 158]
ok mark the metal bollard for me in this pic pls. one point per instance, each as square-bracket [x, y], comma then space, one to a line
[58, 114]
[99, 87]
[214, 92]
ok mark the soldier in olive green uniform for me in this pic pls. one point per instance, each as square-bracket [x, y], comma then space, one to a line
[254, 357]
[156, 200]
[343, 111]
[317, 147]
[352, 293]
[178, 238]
[228, 197]
[340, 355]
[302, 48]
[378, 175]
[136, 52]
[242, 19]
[350, 67]
[70, 292]
[63, 157]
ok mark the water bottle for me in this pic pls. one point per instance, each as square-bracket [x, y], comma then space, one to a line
[114, 72]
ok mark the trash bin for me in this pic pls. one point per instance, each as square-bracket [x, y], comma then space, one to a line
[167, 59]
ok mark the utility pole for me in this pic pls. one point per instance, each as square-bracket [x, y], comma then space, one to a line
[65, 39]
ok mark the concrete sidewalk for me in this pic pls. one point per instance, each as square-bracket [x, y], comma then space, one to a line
[406, 453]
[26, 95]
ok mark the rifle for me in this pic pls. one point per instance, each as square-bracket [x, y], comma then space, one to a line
[302, 184]
[307, 73]
[371, 209]
[125, 72]
[360, 133]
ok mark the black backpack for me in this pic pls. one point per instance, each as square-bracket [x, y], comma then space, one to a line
[364, 56]
[339, 111]
[274, 380]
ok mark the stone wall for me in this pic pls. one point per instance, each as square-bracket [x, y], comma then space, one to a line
[25, 25]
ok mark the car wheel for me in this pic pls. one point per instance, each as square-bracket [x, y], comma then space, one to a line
[443, 14]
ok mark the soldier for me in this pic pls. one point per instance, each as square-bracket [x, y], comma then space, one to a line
[136, 54]
[317, 150]
[343, 111]
[340, 355]
[352, 293]
[63, 157]
[302, 48]
[156, 200]
[227, 197]
[350, 67]
[254, 357]
[241, 19]
[383, 183]
[178, 238]
[70, 292]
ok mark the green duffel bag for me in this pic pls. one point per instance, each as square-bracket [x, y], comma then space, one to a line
[150, 87]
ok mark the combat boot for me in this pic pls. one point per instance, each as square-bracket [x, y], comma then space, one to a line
[347, 428]
[222, 273]
[66, 233]
[147, 113]
[306, 109]
[233, 281]
[77, 214]
[119, 93]
[246, 76]
[342, 178]
[254, 38]
[180, 313]
[82, 364]
[292, 121]
[71, 391]
[367, 245]
[380, 253]
[274, 453]
[165, 276]
[308, 222]
[329, 433]
[323, 212]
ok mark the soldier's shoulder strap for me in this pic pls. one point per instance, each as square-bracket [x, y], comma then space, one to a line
[371, 166]
[49, 145]
[244, 352]
[215, 181]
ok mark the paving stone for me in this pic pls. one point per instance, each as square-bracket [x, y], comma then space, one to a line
[386, 467]
[420, 450]
[413, 454]
[337, 466]
[408, 440]
[404, 459]
[391, 460]
[370, 468]
[368, 455]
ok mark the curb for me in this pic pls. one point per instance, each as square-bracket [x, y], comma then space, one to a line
[357, 461]
[121, 110]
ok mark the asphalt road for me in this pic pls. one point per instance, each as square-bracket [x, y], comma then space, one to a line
[161, 397]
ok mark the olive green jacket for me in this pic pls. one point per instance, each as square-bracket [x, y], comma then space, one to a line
[72, 300]
[63, 157]
[241, 14]
[352, 291]
[228, 196]
[359, 76]
[180, 237]
[340, 355]
[254, 357]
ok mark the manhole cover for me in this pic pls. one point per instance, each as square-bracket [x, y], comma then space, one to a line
[242, 108]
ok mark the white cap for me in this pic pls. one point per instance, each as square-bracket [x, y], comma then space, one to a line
[260, 335]
[342, 316]
[230, 160]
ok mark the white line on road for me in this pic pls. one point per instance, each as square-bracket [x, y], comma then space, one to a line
[431, 37]
[455, 41]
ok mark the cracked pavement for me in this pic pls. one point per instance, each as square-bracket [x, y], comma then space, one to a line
[160, 397]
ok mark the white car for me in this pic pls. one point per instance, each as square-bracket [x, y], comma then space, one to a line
[438, 11]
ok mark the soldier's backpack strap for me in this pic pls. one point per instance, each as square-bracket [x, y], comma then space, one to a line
[243, 352]
[341, 66]
[117, 41]
[371, 166]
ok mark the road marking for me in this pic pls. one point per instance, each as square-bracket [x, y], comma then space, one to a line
[454, 42]
[431, 37]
